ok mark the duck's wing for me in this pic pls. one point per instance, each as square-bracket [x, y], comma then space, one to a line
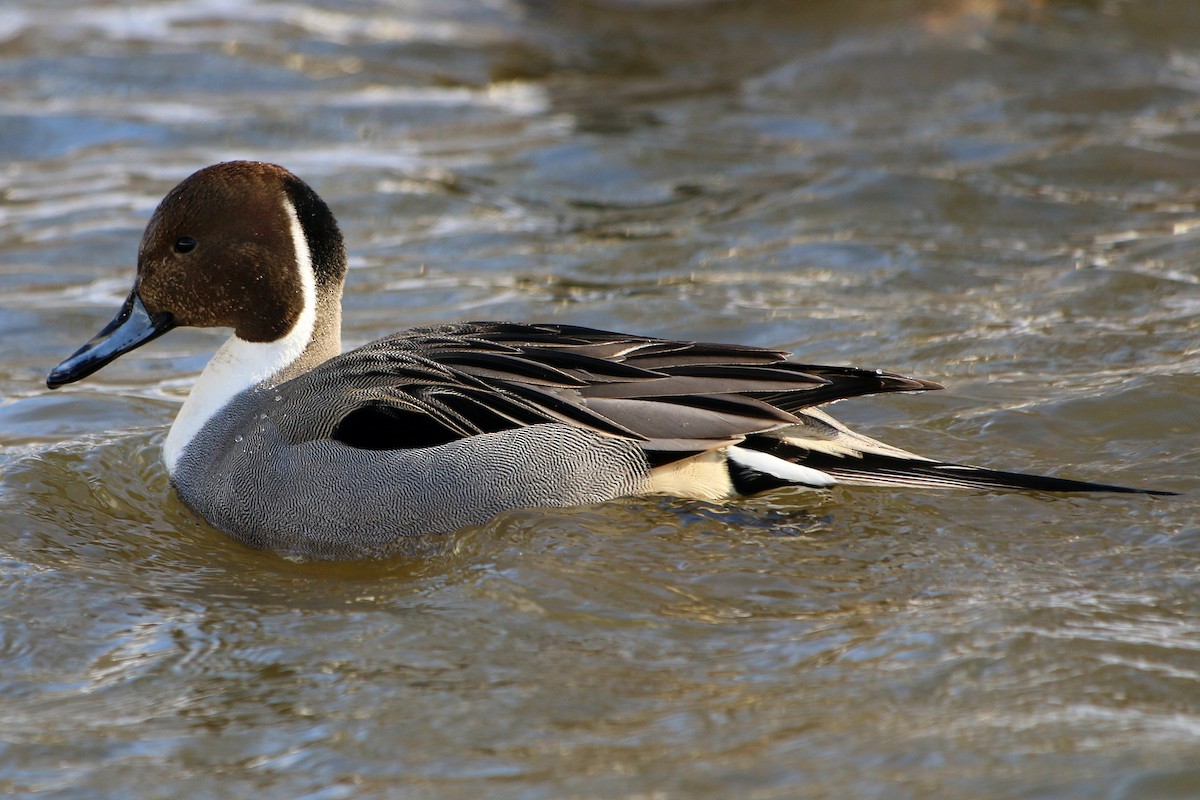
[431, 385]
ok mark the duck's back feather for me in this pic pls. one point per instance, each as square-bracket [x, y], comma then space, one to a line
[672, 397]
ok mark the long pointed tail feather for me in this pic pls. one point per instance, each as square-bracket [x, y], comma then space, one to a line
[875, 469]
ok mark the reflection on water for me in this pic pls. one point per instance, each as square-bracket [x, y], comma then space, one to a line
[995, 195]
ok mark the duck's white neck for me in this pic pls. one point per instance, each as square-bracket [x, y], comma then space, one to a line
[238, 365]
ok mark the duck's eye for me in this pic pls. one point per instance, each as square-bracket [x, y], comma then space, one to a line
[184, 244]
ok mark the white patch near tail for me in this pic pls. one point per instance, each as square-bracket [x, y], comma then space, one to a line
[784, 470]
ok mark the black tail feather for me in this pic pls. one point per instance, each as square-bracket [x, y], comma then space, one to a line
[883, 470]
[938, 475]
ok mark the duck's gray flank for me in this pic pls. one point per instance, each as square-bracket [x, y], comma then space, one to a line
[286, 444]
[284, 489]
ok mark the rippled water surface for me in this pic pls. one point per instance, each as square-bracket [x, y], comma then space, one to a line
[1003, 196]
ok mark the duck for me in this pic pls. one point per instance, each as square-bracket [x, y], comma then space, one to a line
[288, 444]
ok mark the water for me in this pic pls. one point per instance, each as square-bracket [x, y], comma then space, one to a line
[1001, 196]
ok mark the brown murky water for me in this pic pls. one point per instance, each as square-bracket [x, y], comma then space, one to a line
[1003, 196]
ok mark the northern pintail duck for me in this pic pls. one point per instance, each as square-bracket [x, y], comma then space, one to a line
[286, 443]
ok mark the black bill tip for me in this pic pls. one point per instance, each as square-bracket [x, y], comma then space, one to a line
[132, 327]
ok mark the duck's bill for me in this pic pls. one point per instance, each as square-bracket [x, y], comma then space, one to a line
[132, 327]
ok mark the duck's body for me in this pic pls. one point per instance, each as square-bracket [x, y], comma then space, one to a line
[285, 444]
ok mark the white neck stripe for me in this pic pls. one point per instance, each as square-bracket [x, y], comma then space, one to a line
[239, 365]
